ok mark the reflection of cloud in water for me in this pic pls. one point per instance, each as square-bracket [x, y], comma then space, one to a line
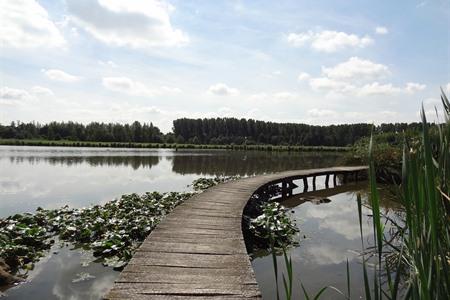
[339, 217]
[10, 186]
[69, 266]
[97, 288]
[323, 254]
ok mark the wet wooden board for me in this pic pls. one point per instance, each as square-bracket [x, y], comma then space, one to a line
[198, 251]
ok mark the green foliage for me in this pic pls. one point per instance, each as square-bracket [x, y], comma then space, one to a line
[94, 131]
[250, 132]
[113, 230]
[274, 226]
[422, 248]
[67, 143]
[202, 184]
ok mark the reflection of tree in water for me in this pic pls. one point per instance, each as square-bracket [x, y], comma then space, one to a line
[251, 163]
[135, 162]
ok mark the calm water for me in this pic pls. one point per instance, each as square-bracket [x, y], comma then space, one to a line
[329, 236]
[51, 177]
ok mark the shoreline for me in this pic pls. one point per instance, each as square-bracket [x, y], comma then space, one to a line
[132, 145]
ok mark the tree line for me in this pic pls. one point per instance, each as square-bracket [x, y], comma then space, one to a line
[94, 131]
[213, 131]
[243, 131]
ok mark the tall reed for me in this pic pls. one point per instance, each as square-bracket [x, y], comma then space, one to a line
[422, 250]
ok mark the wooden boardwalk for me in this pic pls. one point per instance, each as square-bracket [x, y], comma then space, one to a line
[198, 251]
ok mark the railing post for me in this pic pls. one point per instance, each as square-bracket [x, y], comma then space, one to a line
[283, 189]
[305, 184]
[327, 178]
[334, 179]
[314, 183]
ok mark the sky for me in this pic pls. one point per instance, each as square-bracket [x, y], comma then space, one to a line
[316, 62]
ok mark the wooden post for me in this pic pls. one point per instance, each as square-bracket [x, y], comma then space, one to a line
[327, 178]
[305, 184]
[314, 183]
[335, 179]
[290, 188]
[283, 189]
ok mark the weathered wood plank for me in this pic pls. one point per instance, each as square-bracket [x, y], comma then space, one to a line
[198, 251]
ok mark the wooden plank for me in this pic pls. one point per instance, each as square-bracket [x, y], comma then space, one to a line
[198, 251]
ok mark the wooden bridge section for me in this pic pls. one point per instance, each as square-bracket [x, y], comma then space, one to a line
[198, 251]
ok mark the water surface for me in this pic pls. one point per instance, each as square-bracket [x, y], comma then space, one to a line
[51, 177]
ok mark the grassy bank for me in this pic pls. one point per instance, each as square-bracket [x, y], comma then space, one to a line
[67, 143]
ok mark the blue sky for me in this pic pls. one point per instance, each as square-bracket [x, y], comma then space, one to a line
[317, 62]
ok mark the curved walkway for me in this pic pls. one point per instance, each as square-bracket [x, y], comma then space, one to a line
[198, 251]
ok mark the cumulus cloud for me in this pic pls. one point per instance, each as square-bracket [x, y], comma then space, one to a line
[59, 75]
[12, 96]
[325, 83]
[359, 77]
[108, 63]
[221, 89]
[321, 113]
[376, 88]
[136, 88]
[26, 24]
[412, 87]
[356, 68]
[41, 91]
[381, 30]
[328, 41]
[303, 76]
[284, 96]
[128, 86]
[135, 24]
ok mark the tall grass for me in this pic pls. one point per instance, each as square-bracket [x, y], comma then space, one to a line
[422, 248]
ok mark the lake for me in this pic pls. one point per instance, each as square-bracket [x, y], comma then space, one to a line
[51, 177]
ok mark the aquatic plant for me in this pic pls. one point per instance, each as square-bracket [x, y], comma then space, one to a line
[421, 251]
[274, 227]
[112, 231]
[203, 183]
[423, 257]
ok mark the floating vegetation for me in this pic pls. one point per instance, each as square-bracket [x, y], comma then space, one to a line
[202, 184]
[112, 231]
[274, 228]
[83, 276]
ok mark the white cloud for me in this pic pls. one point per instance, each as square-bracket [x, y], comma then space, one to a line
[325, 83]
[58, 75]
[328, 41]
[132, 87]
[381, 30]
[359, 77]
[108, 63]
[221, 89]
[303, 76]
[321, 113]
[282, 96]
[12, 96]
[226, 112]
[135, 24]
[412, 87]
[376, 88]
[128, 86]
[26, 24]
[356, 69]
[41, 91]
